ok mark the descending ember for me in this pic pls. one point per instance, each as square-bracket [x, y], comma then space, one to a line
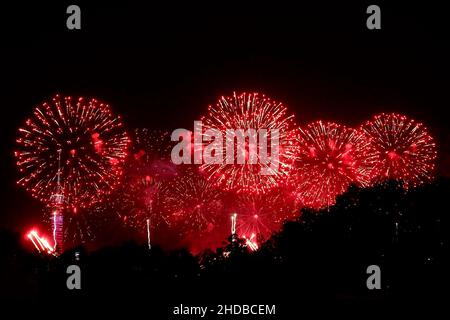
[404, 149]
[331, 158]
[256, 112]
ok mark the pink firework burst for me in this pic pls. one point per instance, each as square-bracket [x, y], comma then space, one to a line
[81, 137]
[195, 206]
[138, 202]
[250, 112]
[331, 157]
[259, 216]
[404, 150]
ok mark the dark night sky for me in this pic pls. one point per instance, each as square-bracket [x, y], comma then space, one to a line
[160, 66]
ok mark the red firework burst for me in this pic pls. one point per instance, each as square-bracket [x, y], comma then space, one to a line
[259, 216]
[138, 202]
[194, 204]
[404, 150]
[89, 140]
[250, 112]
[81, 227]
[331, 157]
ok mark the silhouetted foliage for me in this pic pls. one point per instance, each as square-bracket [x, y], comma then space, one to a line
[320, 256]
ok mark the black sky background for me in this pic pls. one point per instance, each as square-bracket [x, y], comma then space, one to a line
[161, 65]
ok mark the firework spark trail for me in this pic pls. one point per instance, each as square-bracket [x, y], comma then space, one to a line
[251, 242]
[233, 223]
[257, 112]
[331, 157]
[149, 243]
[404, 149]
[40, 243]
[36, 245]
[56, 224]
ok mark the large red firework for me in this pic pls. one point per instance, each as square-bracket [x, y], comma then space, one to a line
[82, 137]
[331, 157]
[250, 112]
[404, 150]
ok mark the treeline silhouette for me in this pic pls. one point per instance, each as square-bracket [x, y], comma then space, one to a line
[321, 258]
